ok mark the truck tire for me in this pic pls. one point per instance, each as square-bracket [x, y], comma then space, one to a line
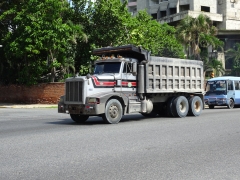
[170, 106]
[113, 112]
[195, 106]
[180, 107]
[231, 104]
[79, 118]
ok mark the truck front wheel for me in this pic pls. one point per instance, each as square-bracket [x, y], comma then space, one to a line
[79, 118]
[113, 112]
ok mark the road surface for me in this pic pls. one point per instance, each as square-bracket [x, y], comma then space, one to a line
[42, 144]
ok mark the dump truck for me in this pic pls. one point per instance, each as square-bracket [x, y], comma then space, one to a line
[127, 79]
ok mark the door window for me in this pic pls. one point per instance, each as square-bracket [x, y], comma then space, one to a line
[237, 86]
[230, 85]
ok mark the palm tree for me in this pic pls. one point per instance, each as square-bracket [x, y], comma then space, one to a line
[196, 33]
[184, 35]
[234, 53]
[216, 66]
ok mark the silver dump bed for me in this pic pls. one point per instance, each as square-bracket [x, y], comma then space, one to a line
[174, 75]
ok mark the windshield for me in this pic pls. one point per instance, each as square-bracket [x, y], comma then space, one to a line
[107, 67]
[216, 87]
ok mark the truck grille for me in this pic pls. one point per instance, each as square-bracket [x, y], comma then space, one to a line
[74, 91]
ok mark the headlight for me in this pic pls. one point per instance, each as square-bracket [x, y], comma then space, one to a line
[93, 101]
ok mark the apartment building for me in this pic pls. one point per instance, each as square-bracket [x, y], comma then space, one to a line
[225, 15]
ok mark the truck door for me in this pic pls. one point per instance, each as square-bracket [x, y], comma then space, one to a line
[128, 79]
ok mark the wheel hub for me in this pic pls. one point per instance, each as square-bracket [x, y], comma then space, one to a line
[197, 106]
[182, 107]
[113, 111]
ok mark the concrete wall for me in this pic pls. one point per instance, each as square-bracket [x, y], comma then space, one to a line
[142, 4]
[46, 93]
[209, 3]
[231, 14]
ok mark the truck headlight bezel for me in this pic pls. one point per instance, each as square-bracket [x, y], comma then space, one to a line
[93, 100]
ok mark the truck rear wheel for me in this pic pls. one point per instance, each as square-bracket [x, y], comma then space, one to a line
[79, 118]
[180, 106]
[195, 106]
[170, 106]
[113, 112]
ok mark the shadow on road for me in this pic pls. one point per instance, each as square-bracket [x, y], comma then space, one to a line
[222, 107]
[95, 120]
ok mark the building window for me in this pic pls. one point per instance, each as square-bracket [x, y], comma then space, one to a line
[163, 13]
[205, 8]
[173, 10]
[184, 7]
[154, 16]
[132, 9]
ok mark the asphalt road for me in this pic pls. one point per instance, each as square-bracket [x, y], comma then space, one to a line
[42, 144]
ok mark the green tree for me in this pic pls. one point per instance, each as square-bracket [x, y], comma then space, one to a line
[8, 66]
[234, 53]
[211, 63]
[40, 35]
[197, 33]
[108, 23]
[216, 66]
[104, 22]
[160, 39]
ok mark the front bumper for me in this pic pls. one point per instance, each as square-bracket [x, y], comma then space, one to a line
[83, 109]
[216, 101]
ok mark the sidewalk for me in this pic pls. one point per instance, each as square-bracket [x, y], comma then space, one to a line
[9, 105]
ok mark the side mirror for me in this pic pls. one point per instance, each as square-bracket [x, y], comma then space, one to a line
[134, 71]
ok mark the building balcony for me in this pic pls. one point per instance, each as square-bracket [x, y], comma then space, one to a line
[183, 14]
[132, 4]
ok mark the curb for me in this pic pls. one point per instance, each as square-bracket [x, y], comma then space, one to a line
[29, 106]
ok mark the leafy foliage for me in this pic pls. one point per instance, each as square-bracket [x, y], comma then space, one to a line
[234, 53]
[158, 38]
[38, 38]
[104, 23]
[50, 40]
[197, 33]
